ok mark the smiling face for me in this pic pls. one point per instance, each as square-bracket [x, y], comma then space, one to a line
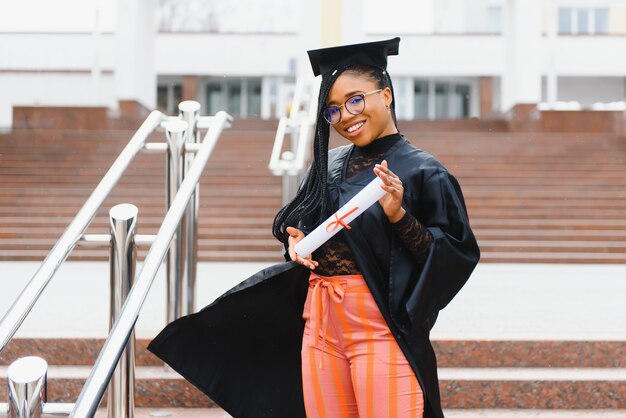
[374, 122]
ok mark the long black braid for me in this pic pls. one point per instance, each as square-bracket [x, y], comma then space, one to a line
[311, 200]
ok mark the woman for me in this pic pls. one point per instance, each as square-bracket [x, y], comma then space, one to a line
[343, 332]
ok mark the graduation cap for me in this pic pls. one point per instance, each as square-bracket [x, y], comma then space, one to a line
[369, 53]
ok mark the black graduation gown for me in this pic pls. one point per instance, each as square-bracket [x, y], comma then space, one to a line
[243, 350]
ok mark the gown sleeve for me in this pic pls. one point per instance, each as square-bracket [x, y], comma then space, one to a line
[414, 236]
[453, 252]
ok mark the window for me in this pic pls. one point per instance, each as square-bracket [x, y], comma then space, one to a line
[228, 16]
[582, 21]
[168, 97]
[461, 102]
[214, 98]
[233, 98]
[254, 98]
[240, 97]
[420, 104]
[441, 100]
[162, 98]
[177, 97]
[601, 20]
[565, 20]
[494, 19]
[587, 21]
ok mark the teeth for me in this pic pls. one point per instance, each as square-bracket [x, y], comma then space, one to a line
[355, 127]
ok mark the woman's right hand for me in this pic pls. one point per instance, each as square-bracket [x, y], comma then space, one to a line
[295, 235]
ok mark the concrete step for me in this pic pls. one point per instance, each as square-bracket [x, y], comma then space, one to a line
[450, 353]
[252, 255]
[527, 388]
[551, 258]
[511, 181]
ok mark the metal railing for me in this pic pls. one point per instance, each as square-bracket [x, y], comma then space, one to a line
[15, 316]
[112, 350]
[300, 125]
[177, 234]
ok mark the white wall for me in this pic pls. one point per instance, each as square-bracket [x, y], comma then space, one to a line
[588, 90]
[57, 15]
[55, 51]
[240, 55]
[226, 54]
[589, 55]
[55, 89]
[54, 69]
[135, 73]
[448, 55]
[392, 17]
[450, 16]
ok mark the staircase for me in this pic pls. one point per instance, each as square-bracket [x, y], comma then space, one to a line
[539, 197]
[499, 375]
[45, 177]
[531, 197]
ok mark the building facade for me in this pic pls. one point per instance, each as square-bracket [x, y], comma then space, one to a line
[458, 58]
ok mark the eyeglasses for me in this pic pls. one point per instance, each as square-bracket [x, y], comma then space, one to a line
[354, 105]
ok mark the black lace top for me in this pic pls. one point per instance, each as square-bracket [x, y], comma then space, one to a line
[335, 257]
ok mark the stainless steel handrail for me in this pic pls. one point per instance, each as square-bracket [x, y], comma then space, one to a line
[275, 164]
[300, 125]
[16, 315]
[111, 352]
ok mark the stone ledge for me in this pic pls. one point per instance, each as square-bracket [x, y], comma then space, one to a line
[450, 353]
[460, 388]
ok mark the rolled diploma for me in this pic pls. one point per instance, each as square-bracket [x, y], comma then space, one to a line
[369, 195]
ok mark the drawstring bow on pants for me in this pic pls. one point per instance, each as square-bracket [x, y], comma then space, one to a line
[325, 289]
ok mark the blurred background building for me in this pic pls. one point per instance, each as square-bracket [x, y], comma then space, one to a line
[458, 58]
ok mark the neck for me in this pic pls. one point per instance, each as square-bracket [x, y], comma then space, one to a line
[380, 144]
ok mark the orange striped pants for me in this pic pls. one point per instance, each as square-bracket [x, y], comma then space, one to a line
[351, 363]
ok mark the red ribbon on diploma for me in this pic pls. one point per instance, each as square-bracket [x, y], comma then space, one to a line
[339, 221]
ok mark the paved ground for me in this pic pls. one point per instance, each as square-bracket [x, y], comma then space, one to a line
[501, 301]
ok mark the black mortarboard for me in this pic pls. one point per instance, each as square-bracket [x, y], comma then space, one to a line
[369, 53]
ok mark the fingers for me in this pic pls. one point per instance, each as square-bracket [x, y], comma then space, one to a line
[296, 235]
[294, 232]
[393, 190]
[391, 182]
[306, 262]
[384, 172]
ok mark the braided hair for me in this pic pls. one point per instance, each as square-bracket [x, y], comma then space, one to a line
[312, 200]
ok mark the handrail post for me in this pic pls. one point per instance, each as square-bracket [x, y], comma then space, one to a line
[175, 132]
[123, 257]
[190, 113]
[26, 384]
[94, 387]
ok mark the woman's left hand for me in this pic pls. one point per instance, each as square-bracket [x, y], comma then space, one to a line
[392, 200]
